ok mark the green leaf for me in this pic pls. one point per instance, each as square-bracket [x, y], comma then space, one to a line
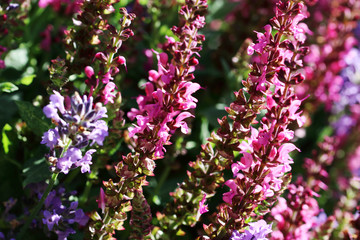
[27, 80]
[35, 170]
[34, 117]
[17, 58]
[204, 133]
[5, 140]
[8, 87]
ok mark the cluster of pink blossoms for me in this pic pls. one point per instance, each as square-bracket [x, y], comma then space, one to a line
[164, 111]
[161, 111]
[168, 96]
[297, 214]
[333, 40]
[266, 152]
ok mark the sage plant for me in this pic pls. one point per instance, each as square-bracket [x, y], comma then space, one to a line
[265, 160]
[161, 111]
[95, 127]
[261, 172]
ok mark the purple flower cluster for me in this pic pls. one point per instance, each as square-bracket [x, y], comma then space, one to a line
[2, 237]
[256, 231]
[61, 213]
[11, 220]
[349, 93]
[77, 124]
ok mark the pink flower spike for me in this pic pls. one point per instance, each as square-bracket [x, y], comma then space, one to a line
[170, 40]
[228, 196]
[270, 102]
[235, 168]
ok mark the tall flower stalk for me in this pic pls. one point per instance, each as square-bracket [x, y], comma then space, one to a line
[161, 111]
[261, 172]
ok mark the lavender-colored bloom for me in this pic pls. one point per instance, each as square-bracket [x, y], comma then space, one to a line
[85, 162]
[319, 219]
[80, 217]
[50, 219]
[50, 138]
[50, 111]
[349, 93]
[52, 199]
[256, 231]
[79, 120]
[351, 74]
[343, 125]
[81, 114]
[57, 101]
[357, 31]
[60, 213]
[99, 133]
[62, 235]
[71, 157]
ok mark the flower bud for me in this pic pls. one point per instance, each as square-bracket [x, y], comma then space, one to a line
[89, 71]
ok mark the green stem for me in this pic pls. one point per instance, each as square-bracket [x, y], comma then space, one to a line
[85, 195]
[38, 206]
[107, 220]
[162, 180]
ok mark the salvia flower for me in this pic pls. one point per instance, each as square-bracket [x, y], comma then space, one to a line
[78, 124]
[256, 231]
[260, 175]
[164, 108]
[296, 215]
[101, 79]
[60, 214]
[349, 94]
